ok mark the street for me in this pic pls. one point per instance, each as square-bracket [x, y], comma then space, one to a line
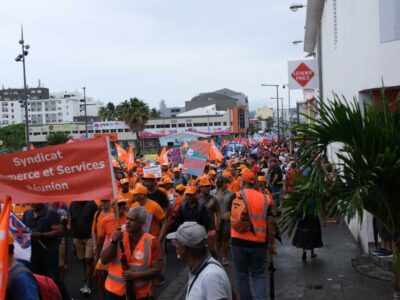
[330, 276]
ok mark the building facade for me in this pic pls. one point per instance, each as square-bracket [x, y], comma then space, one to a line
[357, 44]
[45, 108]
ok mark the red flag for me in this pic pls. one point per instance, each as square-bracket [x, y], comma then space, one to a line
[163, 157]
[130, 160]
[214, 153]
[31, 147]
[122, 154]
[4, 227]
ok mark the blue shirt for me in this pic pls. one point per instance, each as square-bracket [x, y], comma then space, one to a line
[22, 286]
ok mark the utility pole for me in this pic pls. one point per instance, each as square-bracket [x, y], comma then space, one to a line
[84, 101]
[22, 57]
[277, 107]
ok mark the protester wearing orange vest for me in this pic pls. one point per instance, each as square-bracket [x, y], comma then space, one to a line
[249, 248]
[143, 258]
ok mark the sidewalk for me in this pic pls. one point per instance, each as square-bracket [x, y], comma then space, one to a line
[330, 276]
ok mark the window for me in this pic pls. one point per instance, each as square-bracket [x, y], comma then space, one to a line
[389, 20]
[120, 130]
[242, 121]
[173, 125]
[181, 125]
[217, 123]
[189, 125]
[159, 126]
[149, 126]
[75, 131]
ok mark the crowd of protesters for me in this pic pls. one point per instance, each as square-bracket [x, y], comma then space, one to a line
[122, 242]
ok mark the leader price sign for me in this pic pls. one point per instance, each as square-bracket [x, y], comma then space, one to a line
[303, 74]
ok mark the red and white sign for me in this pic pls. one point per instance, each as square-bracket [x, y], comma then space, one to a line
[69, 172]
[303, 74]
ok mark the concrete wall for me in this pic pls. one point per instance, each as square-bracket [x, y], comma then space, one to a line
[354, 60]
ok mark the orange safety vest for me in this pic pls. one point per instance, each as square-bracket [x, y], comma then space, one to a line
[139, 260]
[257, 206]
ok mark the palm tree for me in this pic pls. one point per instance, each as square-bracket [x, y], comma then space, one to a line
[154, 113]
[368, 166]
[135, 113]
[108, 112]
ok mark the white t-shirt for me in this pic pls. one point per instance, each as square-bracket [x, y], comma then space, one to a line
[211, 284]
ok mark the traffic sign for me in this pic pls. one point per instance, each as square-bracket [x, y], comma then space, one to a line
[303, 74]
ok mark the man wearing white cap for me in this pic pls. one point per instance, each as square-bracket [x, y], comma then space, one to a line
[207, 278]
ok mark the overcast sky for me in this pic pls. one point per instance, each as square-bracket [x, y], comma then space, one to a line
[153, 50]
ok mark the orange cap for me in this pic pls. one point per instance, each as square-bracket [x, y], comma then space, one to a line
[227, 174]
[140, 189]
[124, 180]
[241, 167]
[149, 176]
[191, 190]
[167, 180]
[262, 179]
[180, 187]
[249, 176]
[205, 182]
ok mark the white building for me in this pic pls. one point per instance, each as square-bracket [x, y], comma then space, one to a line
[168, 112]
[59, 108]
[357, 44]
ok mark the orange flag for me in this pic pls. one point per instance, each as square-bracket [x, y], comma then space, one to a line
[122, 154]
[130, 160]
[215, 153]
[163, 158]
[4, 227]
[114, 162]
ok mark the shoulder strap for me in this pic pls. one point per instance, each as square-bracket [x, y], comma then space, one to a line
[243, 194]
[202, 268]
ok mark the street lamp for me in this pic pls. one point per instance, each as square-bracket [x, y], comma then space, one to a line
[286, 85]
[297, 42]
[277, 105]
[208, 121]
[21, 57]
[295, 7]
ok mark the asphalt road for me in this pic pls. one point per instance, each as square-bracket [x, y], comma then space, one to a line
[74, 276]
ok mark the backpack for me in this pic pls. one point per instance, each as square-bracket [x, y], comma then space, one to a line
[240, 220]
[48, 290]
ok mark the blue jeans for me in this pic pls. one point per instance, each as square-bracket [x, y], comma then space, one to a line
[251, 260]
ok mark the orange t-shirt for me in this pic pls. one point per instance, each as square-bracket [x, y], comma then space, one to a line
[234, 186]
[155, 215]
[178, 202]
[109, 225]
[98, 221]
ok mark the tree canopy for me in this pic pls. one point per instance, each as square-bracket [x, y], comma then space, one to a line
[13, 137]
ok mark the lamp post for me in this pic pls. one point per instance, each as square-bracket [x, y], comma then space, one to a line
[277, 105]
[21, 57]
[282, 119]
[84, 101]
[286, 85]
[295, 6]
